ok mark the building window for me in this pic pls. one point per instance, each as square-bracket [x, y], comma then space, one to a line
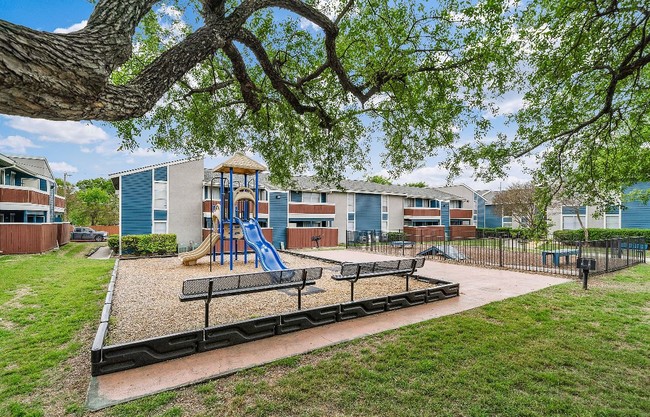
[263, 195]
[611, 221]
[408, 202]
[570, 223]
[159, 227]
[506, 221]
[455, 204]
[2, 176]
[384, 204]
[160, 195]
[296, 197]
[384, 213]
[311, 198]
[12, 178]
[351, 207]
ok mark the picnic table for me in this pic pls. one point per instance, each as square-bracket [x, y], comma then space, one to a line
[557, 253]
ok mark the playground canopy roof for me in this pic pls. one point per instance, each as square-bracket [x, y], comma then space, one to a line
[240, 164]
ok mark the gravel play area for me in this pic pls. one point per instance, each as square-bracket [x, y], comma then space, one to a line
[146, 303]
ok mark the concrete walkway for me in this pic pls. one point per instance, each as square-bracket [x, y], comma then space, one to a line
[478, 286]
[104, 252]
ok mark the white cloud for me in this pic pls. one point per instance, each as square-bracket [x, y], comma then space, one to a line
[109, 148]
[170, 11]
[16, 145]
[436, 176]
[63, 167]
[81, 133]
[507, 106]
[73, 28]
[306, 24]
[149, 153]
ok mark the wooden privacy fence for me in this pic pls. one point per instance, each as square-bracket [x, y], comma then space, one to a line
[113, 229]
[301, 237]
[22, 238]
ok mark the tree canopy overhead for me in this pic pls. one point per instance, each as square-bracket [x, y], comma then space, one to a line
[303, 83]
[307, 84]
[586, 88]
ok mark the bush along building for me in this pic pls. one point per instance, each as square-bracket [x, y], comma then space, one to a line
[31, 214]
[178, 197]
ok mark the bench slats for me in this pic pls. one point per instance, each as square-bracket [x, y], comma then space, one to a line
[197, 288]
[373, 269]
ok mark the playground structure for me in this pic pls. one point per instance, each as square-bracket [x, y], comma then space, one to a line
[235, 216]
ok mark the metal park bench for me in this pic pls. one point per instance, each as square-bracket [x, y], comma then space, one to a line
[556, 255]
[227, 285]
[352, 272]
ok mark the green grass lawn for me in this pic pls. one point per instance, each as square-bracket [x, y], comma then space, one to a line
[559, 351]
[45, 301]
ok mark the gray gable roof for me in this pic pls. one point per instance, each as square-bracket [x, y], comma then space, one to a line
[33, 164]
[305, 183]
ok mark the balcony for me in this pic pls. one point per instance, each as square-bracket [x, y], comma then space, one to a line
[318, 209]
[460, 213]
[23, 195]
[59, 202]
[421, 212]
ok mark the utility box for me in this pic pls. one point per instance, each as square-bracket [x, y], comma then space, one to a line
[588, 264]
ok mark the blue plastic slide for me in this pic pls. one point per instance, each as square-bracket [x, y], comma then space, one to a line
[267, 254]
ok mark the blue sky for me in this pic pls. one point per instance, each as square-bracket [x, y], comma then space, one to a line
[89, 149]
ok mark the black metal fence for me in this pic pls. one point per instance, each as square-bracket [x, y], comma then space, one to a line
[505, 251]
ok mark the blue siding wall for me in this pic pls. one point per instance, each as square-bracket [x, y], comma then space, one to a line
[136, 203]
[278, 209]
[637, 214]
[160, 174]
[492, 217]
[480, 211]
[368, 212]
[444, 216]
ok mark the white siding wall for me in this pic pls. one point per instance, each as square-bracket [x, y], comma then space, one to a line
[184, 213]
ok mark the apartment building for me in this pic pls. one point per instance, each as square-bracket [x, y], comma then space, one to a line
[178, 197]
[30, 211]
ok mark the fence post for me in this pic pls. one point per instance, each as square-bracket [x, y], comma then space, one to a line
[501, 251]
[627, 251]
[607, 244]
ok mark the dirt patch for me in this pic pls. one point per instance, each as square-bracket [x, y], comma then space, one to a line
[19, 294]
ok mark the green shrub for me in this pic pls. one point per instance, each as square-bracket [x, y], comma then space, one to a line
[114, 242]
[395, 236]
[139, 245]
[599, 234]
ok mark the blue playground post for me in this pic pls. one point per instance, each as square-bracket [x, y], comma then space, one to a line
[245, 214]
[257, 203]
[230, 215]
[221, 219]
